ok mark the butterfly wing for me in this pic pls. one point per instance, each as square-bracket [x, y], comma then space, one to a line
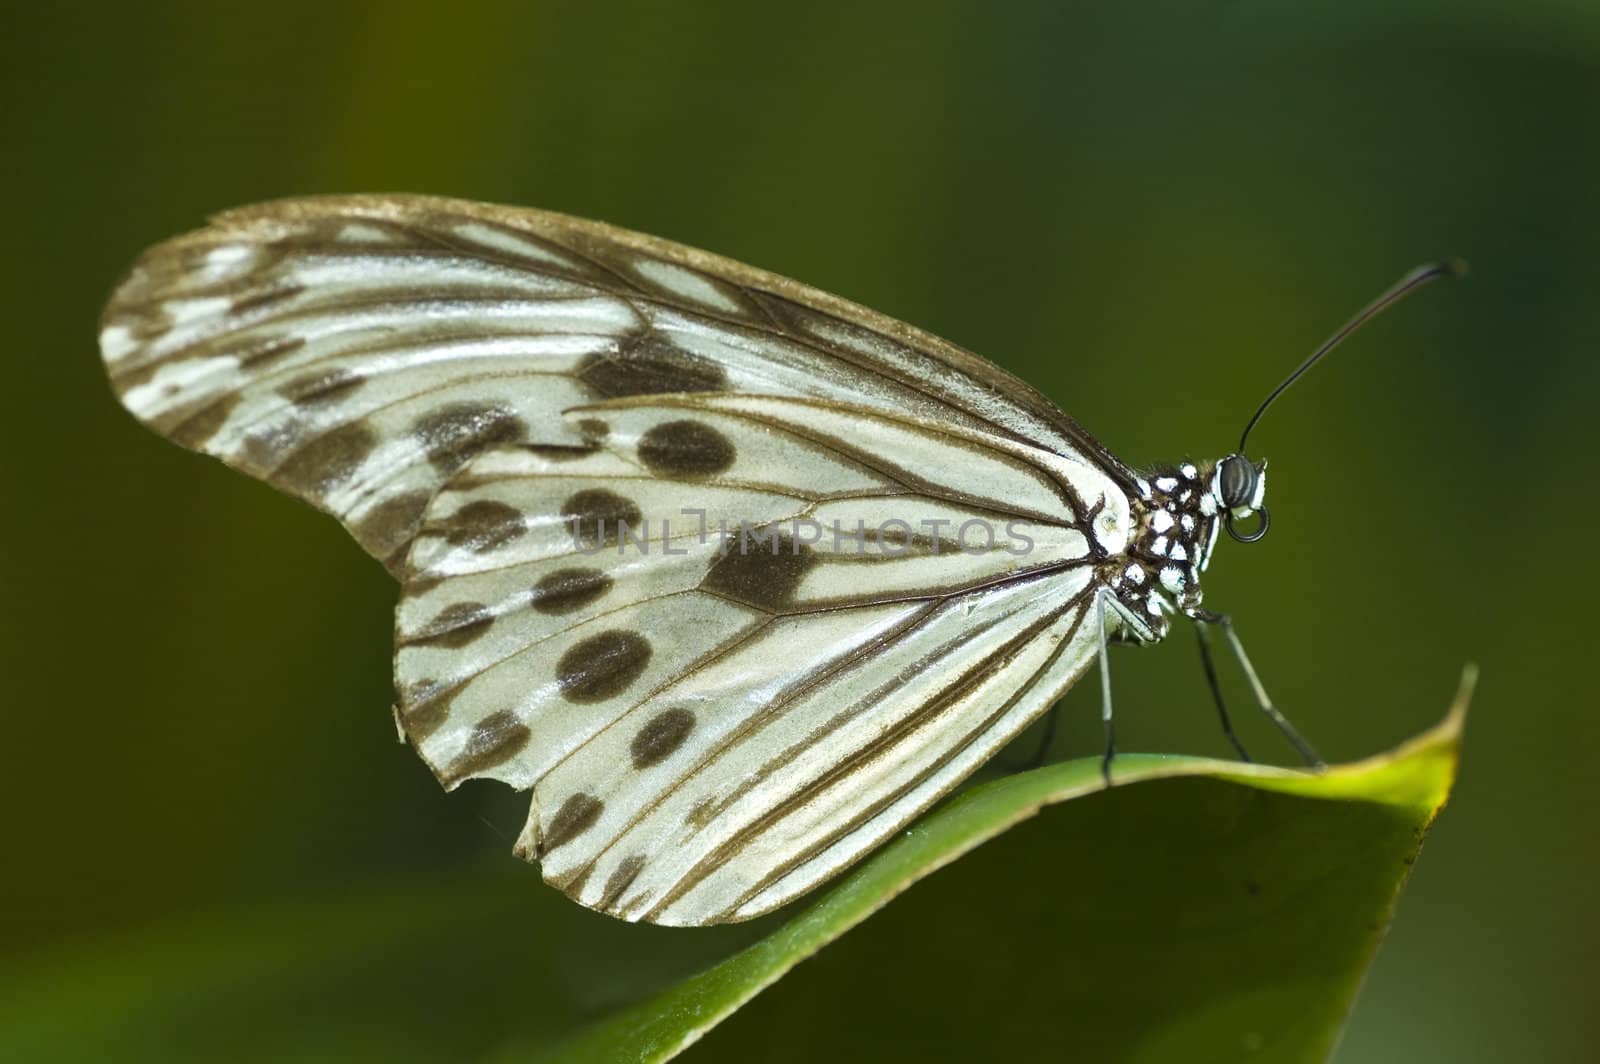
[356, 351]
[708, 732]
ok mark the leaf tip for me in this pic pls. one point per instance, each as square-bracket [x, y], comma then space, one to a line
[1450, 728]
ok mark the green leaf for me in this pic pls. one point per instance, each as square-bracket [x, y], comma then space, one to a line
[1223, 911]
[1213, 911]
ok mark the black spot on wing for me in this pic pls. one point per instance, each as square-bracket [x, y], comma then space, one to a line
[453, 435]
[602, 666]
[263, 298]
[263, 353]
[386, 530]
[558, 452]
[193, 428]
[425, 705]
[764, 573]
[661, 736]
[594, 516]
[495, 740]
[455, 626]
[576, 815]
[484, 525]
[566, 590]
[650, 365]
[685, 448]
[319, 388]
[320, 464]
[620, 880]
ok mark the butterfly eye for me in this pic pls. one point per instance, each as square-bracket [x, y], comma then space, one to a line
[1239, 486]
[1237, 477]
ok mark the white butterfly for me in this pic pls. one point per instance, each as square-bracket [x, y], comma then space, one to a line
[735, 576]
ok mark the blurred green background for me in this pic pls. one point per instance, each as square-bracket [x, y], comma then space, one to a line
[214, 842]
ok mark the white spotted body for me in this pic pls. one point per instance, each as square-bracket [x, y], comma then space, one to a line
[1177, 517]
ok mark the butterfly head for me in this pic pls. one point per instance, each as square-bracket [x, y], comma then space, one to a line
[1238, 485]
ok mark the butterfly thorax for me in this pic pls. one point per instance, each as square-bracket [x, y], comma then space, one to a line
[1175, 520]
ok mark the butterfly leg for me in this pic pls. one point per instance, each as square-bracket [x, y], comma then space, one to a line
[1049, 734]
[1105, 691]
[1264, 702]
[1208, 662]
[1045, 739]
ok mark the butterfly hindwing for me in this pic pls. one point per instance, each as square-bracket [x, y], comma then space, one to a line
[804, 768]
[722, 705]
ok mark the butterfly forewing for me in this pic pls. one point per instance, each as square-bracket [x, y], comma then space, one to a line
[662, 523]
[355, 350]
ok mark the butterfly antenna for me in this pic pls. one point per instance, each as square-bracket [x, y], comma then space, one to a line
[1413, 280]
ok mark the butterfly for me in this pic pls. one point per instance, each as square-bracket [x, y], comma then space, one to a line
[734, 576]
